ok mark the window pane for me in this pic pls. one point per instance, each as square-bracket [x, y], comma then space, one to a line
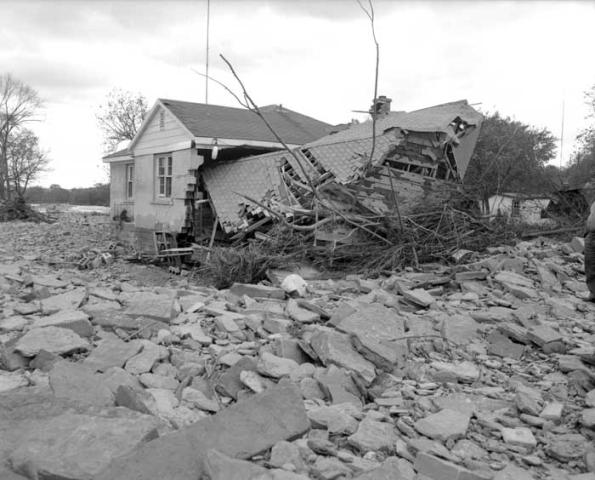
[131, 173]
[168, 186]
[129, 189]
[161, 185]
[169, 165]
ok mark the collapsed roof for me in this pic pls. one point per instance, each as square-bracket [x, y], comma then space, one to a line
[415, 154]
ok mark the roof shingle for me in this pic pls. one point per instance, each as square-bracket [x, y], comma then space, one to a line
[212, 121]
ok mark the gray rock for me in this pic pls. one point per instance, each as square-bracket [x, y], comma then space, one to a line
[143, 362]
[335, 348]
[375, 330]
[80, 384]
[222, 467]
[75, 320]
[76, 446]
[373, 435]
[277, 414]
[150, 305]
[276, 367]
[112, 352]
[70, 300]
[444, 425]
[51, 339]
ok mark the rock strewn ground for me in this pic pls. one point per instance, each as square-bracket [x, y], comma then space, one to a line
[476, 371]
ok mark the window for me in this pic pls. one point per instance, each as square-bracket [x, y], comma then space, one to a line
[161, 120]
[164, 175]
[516, 208]
[130, 180]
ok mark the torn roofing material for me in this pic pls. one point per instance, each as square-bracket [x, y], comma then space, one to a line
[418, 151]
[451, 119]
[217, 121]
[256, 177]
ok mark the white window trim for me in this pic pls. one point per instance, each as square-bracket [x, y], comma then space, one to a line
[129, 181]
[165, 159]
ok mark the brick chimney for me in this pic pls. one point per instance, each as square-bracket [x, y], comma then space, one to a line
[381, 106]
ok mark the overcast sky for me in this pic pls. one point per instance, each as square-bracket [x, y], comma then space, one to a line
[316, 57]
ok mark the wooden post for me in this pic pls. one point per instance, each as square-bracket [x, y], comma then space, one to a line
[212, 237]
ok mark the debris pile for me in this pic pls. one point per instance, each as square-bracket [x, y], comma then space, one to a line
[18, 209]
[479, 370]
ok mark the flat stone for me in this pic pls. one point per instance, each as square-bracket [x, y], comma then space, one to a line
[75, 320]
[80, 384]
[114, 377]
[542, 334]
[588, 418]
[419, 296]
[334, 419]
[276, 414]
[519, 436]
[143, 362]
[10, 381]
[552, 411]
[222, 467]
[339, 386]
[468, 449]
[199, 400]
[566, 447]
[299, 314]
[392, 468]
[10, 359]
[112, 352]
[492, 315]
[16, 323]
[377, 333]
[464, 372]
[51, 339]
[70, 300]
[502, 346]
[284, 453]
[512, 279]
[257, 291]
[512, 472]
[227, 323]
[77, 446]
[194, 331]
[135, 399]
[335, 348]
[151, 380]
[151, 305]
[373, 436]
[104, 294]
[230, 383]
[27, 308]
[436, 468]
[444, 425]
[276, 367]
[590, 398]
[528, 400]
[49, 281]
[459, 329]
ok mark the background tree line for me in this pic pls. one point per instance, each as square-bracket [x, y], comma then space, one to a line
[96, 195]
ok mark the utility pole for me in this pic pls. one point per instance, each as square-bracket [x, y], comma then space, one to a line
[207, 59]
[562, 137]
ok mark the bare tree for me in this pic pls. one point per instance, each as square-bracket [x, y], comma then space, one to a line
[121, 116]
[26, 161]
[18, 105]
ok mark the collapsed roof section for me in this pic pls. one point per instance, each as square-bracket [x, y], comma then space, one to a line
[417, 155]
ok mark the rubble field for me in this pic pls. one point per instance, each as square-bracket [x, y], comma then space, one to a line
[480, 369]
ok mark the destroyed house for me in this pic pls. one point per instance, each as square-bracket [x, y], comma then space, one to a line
[156, 182]
[418, 158]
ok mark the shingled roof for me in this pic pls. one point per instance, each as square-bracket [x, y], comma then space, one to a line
[204, 120]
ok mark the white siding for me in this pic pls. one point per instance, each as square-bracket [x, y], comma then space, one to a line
[157, 140]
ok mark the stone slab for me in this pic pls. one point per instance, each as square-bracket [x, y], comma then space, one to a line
[241, 431]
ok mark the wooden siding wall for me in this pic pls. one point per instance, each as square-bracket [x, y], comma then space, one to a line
[156, 140]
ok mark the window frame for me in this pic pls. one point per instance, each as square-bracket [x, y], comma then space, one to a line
[164, 175]
[130, 181]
